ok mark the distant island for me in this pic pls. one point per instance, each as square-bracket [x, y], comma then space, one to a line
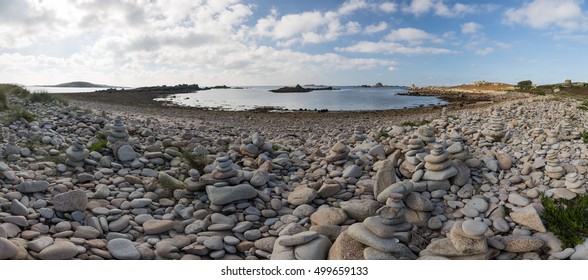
[299, 88]
[79, 84]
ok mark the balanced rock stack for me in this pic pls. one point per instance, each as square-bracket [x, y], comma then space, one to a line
[306, 245]
[552, 167]
[193, 182]
[338, 154]
[254, 145]
[11, 149]
[442, 121]
[426, 133]
[226, 188]
[358, 134]
[438, 169]
[495, 131]
[76, 153]
[574, 182]
[538, 134]
[377, 237]
[465, 241]
[457, 150]
[35, 133]
[552, 137]
[413, 156]
[118, 136]
[567, 130]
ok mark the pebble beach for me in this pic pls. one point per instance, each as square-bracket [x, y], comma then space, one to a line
[130, 179]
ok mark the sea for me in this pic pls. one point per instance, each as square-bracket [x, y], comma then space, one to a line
[345, 98]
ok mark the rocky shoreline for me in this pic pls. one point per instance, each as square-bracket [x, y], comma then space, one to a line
[133, 180]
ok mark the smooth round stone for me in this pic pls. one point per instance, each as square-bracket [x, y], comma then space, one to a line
[474, 228]
[140, 202]
[40, 243]
[7, 249]
[157, 226]
[470, 212]
[61, 250]
[123, 249]
[100, 211]
[252, 234]
[299, 238]
[231, 240]
[86, 232]
[214, 243]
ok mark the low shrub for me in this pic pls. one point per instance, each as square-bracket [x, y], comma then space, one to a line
[567, 219]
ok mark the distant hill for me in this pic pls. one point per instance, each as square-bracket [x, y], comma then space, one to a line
[81, 84]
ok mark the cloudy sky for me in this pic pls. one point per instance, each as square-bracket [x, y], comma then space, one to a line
[282, 42]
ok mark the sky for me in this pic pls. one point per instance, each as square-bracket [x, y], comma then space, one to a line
[286, 42]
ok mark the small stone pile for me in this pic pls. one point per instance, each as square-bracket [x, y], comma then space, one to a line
[438, 169]
[118, 135]
[552, 167]
[457, 150]
[574, 182]
[11, 149]
[35, 133]
[358, 135]
[567, 131]
[306, 245]
[465, 241]
[442, 122]
[76, 153]
[426, 133]
[552, 137]
[225, 187]
[377, 237]
[495, 131]
[338, 154]
[254, 145]
[193, 182]
[413, 156]
[538, 134]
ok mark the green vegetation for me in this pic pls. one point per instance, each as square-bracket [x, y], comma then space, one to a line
[3, 101]
[196, 162]
[583, 106]
[6, 90]
[525, 85]
[18, 113]
[415, 123]
[275, 147]
[584, 136]
[382, 134]
[568, 219]
[45, 98]
[100, 145]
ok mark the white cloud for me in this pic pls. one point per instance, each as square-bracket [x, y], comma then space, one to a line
[351, 6]
[392, 48]
[291, 25]
[419, 7]
[438, 7]
[565, 14]
[470, 27]
[375, 28]
[388, 7]
[484, 51]
[413, 36]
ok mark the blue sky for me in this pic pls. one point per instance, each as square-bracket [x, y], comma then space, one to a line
[284, 42]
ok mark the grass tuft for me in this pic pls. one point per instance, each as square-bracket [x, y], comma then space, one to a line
[16, 114]
[415, 123]
[568, 219]
[45, 98]
[196, 162]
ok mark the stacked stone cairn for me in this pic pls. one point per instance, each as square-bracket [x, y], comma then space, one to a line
[118, 141]
[358, 134]
[495, 131]
[552, 137]
[538, 134]
[305, 245]
[426, 133]
[35, 133]
[465, 241]
[224, 183]
[11, 149]
[438, 169]
[567, 131]
[338, 154]
[443, 121]
[457, 150]
[575, 183]
[76, 154]
[552, 167]
[377, 237]
[413, 157]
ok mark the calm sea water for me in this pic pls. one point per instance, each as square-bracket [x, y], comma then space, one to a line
[345, 99]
